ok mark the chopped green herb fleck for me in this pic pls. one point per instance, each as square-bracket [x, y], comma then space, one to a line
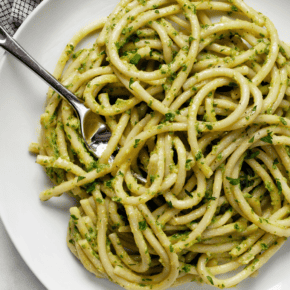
[233, 181]
[209, 278]
[268, 138]
[142, 226]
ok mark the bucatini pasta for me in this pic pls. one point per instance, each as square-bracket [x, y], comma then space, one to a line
[199, 107]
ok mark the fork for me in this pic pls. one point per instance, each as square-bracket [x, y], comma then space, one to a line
[95, 142]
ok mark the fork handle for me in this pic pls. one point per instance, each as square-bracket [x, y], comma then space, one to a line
[14, 48]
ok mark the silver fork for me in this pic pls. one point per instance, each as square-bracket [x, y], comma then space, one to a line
[95, 142]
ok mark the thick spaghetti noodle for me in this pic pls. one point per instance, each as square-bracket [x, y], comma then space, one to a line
[201, 110]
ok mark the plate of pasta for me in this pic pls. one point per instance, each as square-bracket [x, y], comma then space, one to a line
[196, 95]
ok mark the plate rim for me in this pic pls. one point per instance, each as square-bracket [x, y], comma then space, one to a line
[9, 230]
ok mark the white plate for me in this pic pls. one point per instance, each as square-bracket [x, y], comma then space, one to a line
[38, 229]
